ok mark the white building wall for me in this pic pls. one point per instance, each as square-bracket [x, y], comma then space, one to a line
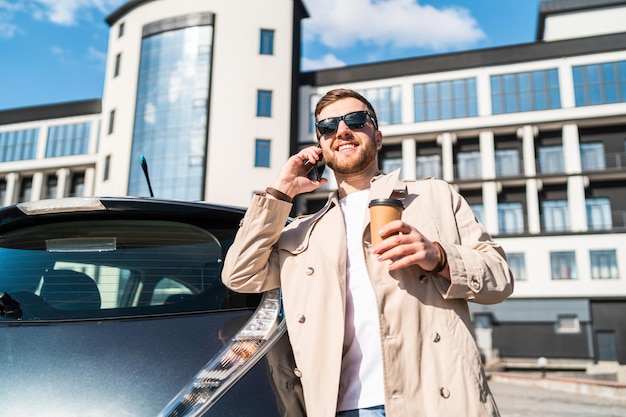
[584, 23]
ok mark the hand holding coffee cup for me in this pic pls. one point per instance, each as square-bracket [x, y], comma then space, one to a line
[382, 212]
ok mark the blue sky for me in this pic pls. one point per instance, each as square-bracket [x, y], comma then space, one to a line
[54, 51]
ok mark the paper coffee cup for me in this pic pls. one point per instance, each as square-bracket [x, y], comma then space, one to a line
[383, 211]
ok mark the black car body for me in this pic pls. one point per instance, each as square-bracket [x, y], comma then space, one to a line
[115, 306]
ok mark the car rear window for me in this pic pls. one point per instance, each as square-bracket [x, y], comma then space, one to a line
[115, 268]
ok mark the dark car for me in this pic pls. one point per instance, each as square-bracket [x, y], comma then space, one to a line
[115, 307]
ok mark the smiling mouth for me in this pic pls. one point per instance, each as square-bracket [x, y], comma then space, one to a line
[346, 147]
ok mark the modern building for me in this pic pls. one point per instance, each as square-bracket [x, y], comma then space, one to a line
[532, 135]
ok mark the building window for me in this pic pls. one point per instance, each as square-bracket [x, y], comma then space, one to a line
[107, 168]
[111, 121]
[599, 214]
[507, 162]
[563, 265]
[264, 103]
[525, 91]
[551, 159]
[592, 156]
[26, 189]
[387, 101]
[510, 218]
[3, 191]
[555, 216]
[479, 212]
[52, 185]
[429, 166]
[312, 103]
[120, 30]
[18, 145]
[445, 100]
[469, 166]
[603, 264]
[65, 140]
[77, 185]
[567, 323]
[600, 83]
[262, 149]
[267, 42]
[517, 263]
[118, 61]
[390, 164]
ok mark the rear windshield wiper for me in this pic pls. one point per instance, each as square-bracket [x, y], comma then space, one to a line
[9, 307]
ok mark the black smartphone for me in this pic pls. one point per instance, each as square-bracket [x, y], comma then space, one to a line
[318, 168]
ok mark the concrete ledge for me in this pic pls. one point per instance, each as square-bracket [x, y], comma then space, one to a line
[604, 389]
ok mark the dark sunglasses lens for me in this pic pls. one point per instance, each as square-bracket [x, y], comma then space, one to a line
[328, 126]
[356, 120]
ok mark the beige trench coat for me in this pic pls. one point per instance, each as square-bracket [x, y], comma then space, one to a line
[431, 363]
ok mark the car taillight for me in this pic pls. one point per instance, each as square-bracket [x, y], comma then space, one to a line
[242, 352]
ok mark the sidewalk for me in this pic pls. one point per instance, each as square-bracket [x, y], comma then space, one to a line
[584, 386]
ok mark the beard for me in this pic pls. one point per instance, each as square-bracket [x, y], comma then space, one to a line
[367, 154]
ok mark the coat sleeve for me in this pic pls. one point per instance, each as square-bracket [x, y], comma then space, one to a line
[251, 264]
[478, 267]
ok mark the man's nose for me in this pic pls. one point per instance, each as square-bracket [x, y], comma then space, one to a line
[342, 128]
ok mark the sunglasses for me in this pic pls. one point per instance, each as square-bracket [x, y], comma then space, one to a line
[354, 120]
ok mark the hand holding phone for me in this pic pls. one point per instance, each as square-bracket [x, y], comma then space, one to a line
[318, 168]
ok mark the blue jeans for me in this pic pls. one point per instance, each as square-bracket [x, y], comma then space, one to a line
[377, 411]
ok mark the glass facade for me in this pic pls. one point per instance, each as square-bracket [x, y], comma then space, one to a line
[387, 102]
[525, 91]
[170, 127]
[600, 83]
[65, 140]
[18, 145]
[445, 100]
[592, 156]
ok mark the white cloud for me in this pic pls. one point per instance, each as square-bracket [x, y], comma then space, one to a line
[68, 12]
[94, 54]
[341, 24]
[327, 61]
[7, 30]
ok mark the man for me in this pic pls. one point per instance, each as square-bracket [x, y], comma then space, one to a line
[376, 330]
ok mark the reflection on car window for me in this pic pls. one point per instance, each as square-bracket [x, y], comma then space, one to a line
[114, 268]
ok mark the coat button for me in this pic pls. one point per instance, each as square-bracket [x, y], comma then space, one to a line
[475, 284]
[444, 392]
[297, 372]
[310, 270]
[435, 337]
[301, 318]
[240, 222]
[423, 279]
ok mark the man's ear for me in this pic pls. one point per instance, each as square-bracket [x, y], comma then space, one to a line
[378, 138]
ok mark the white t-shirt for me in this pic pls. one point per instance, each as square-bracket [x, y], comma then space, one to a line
[361, 384]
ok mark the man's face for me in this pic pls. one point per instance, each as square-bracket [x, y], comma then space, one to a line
[350, 151]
